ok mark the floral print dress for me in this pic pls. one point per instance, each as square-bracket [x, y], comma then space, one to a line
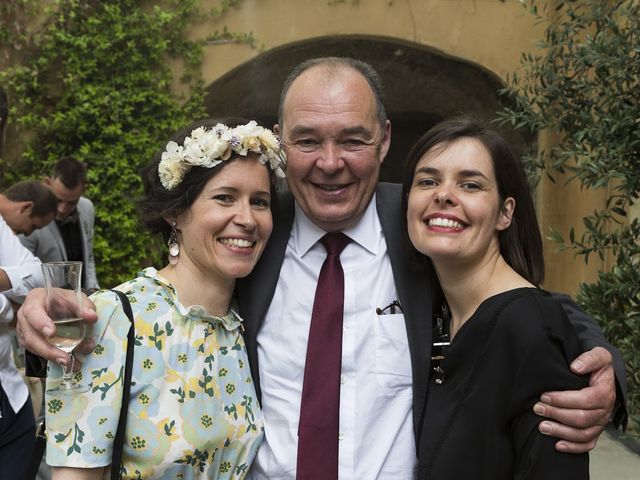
[193, 411]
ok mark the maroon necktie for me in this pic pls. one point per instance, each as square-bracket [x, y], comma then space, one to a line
[320, 406]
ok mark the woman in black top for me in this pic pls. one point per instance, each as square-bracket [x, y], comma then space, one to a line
[469, 209]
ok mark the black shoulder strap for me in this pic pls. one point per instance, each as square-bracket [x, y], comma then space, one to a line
[118, 444]
[38, 452]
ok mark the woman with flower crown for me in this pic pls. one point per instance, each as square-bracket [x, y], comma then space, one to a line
[193, 411]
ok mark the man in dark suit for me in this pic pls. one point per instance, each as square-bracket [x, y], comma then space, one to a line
[336, 135]
[335, 131]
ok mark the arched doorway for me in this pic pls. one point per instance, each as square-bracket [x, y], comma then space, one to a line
[421, 87]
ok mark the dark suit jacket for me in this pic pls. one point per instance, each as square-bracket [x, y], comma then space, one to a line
[417, 288]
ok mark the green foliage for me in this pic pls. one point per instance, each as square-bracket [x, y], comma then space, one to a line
[94, 83]
[614, 301]
[583, 85]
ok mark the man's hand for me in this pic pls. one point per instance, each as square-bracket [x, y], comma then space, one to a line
[581, 415]
[35, 327]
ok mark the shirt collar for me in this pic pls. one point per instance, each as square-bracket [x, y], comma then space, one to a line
[230, 321]
[73, 217]
[366, 232]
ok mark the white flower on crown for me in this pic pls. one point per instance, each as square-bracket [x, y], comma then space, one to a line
[249, 137]
[196, 135]
[209, 147]
[171, 170]
[268, 138]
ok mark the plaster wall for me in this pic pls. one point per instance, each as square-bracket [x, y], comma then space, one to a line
[489, 33]
[492, 33]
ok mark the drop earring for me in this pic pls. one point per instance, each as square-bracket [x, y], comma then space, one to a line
[174, 248]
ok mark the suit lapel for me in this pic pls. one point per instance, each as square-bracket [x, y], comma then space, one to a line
[255, 292]
[83, 236]
[84, 219]
[415, 289]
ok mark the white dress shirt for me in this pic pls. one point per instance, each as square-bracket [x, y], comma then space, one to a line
[24, 272]
[376, 438]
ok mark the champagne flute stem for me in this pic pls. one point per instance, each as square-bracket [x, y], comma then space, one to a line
[67, 377]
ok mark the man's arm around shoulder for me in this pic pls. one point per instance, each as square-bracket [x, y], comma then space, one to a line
[591, 336]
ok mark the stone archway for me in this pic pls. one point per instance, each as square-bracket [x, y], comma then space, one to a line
[422, 86]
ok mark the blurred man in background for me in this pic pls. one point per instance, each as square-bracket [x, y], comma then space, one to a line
[27, 206]
[70, 236]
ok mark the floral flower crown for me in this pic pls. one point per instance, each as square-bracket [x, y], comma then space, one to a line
[210, 147]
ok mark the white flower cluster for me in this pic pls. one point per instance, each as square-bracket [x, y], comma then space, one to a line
[208, 147]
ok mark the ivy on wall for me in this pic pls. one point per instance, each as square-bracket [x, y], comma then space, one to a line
[93, 82]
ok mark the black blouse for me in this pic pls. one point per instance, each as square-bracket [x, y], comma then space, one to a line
[479, 422]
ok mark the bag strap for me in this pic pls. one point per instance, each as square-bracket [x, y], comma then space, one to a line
[118, 443]
[38, 452]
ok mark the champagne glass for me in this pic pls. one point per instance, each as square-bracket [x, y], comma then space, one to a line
[62, 281]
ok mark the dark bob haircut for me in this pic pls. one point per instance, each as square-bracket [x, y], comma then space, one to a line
[158, 202]
[521, 243]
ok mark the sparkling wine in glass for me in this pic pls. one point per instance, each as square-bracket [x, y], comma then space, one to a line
[62, 282]
[69, 333]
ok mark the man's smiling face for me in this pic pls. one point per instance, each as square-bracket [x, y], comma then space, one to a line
[334, 144]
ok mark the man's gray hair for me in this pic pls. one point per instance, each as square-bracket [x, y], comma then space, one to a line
[336, 65]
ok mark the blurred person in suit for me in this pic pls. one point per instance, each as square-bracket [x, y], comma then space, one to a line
[70, 236]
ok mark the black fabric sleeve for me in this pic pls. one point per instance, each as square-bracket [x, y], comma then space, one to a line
[591, 336]
[544, 363]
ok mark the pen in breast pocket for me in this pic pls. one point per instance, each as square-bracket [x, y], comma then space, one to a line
[390, 309]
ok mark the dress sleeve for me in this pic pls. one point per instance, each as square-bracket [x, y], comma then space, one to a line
[544, 366]
[81, 427]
